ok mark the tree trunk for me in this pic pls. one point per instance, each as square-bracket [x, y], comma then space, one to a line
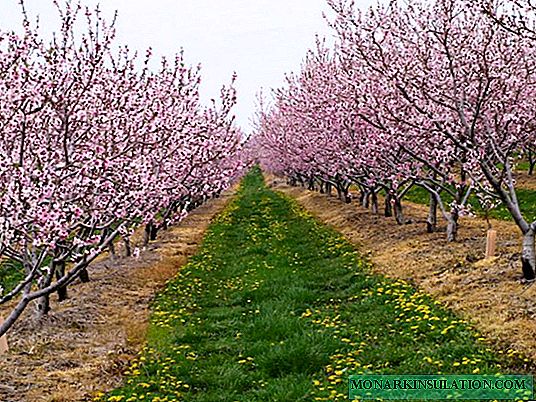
[399, 212]
[147, 234]
[311, 185]
[60, 273]
[362, 196]
[43, 302]
[528, 255]
[328, 189]
[374, 202]
[388, 212]
[84, 275]
[111, 247]
[42, 306]
[431, 221]
[532, 162]
[128, 249]
[347, 197]
[452, 226]
[154, 232]
[339, 192]
[366, 199]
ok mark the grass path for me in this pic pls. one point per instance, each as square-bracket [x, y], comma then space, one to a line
[277, 307]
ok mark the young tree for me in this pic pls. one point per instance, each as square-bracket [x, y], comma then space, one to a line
[463, 83]
[92, 144]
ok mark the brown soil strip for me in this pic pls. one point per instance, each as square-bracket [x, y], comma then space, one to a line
[86, 342]
[524, 180]
[488, 293]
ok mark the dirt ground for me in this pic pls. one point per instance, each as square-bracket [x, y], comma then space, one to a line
[489, 293]
[526, 181]
[86, 342]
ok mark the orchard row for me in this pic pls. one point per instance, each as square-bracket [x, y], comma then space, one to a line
[437, 94]
[97, 140]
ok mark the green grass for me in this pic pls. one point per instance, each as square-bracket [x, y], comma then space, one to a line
[523, 167]
[278, 307]
[527, 203]
[11, 273]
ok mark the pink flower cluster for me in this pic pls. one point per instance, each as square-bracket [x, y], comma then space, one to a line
[95, 141]
[437, 94]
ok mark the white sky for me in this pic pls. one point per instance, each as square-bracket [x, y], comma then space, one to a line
[259, 39]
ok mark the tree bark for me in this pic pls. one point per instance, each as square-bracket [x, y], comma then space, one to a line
[14, 316]
[374, 202]
[154, 232]
[388, 212]
[60, 273]
[528, 255]
[311, 184]
[128, 248]
[43, 303]
[84, 275]
[431, 221]
[111, 248]
[399, 212]
[340, 194]
[345, 196]
[362, 196]
[452, 226]
[366, 199]
[42, 306]
[532, 162]
[147, 234]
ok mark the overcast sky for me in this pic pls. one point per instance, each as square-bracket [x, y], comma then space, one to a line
[259, 39]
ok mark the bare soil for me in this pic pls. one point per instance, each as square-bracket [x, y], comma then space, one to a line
[489, 293]
[87, 341]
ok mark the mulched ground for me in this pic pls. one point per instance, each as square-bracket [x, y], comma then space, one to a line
[490, 293]
[86, 342]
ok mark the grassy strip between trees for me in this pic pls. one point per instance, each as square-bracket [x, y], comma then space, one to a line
[278, 307]
[11, 273]
[527, 203]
